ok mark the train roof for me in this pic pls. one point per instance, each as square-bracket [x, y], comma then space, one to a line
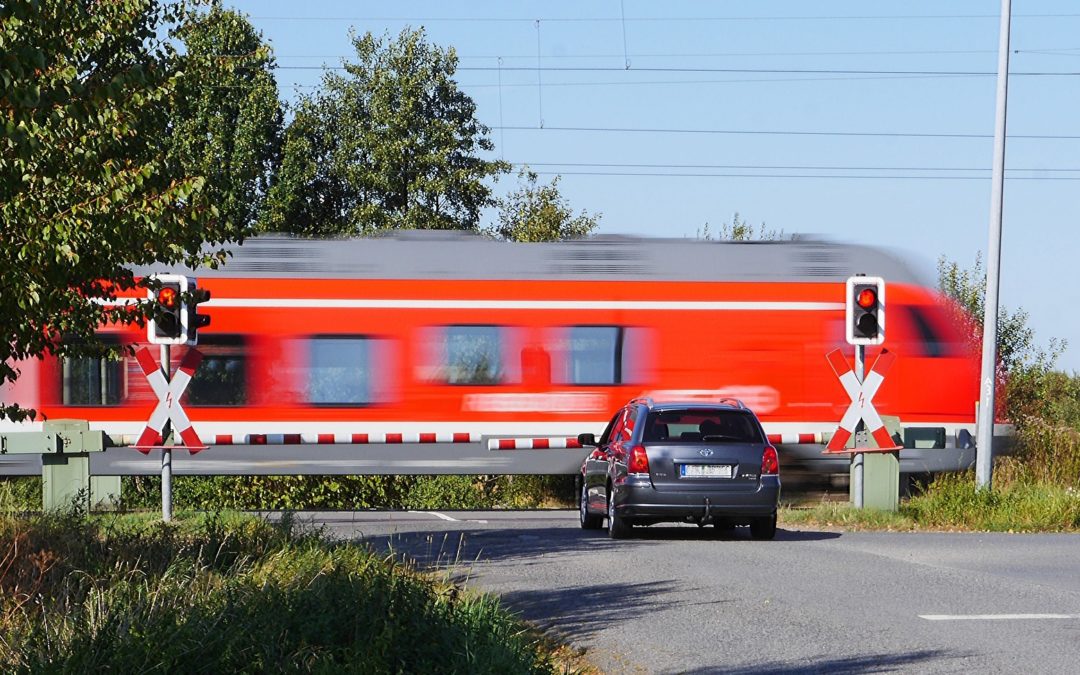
[429, 254]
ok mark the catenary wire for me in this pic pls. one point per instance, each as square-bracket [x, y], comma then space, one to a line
[814, 176]
[779, 132]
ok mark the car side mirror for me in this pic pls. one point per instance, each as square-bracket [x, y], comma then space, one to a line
[587, 439]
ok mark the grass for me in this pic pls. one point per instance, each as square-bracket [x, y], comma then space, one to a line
[230, 593]
[952, 502]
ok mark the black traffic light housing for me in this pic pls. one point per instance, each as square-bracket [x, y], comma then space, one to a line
[865, 310]
[167, 325]
[176, 320]
[196, 320]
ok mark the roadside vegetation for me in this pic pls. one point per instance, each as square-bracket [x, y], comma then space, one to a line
[231, 593]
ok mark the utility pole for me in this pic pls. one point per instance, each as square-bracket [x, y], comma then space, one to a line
[984, 439]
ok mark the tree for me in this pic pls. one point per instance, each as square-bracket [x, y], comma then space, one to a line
[740, 230]
[86, 190]
[392, 143]
[1016, 347]
[537, 212]
[226, 123]
[1023, 367]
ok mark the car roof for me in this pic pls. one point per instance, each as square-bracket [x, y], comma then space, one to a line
[735, 405]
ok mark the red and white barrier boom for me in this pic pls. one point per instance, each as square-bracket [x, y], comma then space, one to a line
[861, 406]
[168, 407]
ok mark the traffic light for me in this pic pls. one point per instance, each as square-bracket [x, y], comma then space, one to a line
[167, 325]
[196, 320]
[865, 310]
[177, 320]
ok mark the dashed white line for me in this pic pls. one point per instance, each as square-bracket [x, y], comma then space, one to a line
[995, 617]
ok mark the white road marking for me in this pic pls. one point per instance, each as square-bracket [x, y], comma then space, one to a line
[438, 515]
[995, 617]
[446, 517]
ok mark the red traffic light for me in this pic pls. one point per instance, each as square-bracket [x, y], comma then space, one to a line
[866, 298]
[167, 297]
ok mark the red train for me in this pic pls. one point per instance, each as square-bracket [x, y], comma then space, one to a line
[443, 334]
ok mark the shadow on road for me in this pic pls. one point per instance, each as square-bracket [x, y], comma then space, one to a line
[847, 665]
[446, 548]
[579, 613]
[682, 533]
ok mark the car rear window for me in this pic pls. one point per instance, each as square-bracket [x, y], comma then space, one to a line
[694, 425]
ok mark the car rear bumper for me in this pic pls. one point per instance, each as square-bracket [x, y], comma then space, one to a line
[637, 500]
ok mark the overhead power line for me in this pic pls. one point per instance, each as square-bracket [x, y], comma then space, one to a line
[763, 167]
[657, 19]
[654, 174]
[751, 71]
[695, 55]
[778, 132]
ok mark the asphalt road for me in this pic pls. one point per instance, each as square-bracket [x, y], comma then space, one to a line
[684, 600]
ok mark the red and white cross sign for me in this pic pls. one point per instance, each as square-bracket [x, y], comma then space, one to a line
[861, 395]
[168, 407]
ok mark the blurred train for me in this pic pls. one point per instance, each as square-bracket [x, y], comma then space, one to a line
[447, 333]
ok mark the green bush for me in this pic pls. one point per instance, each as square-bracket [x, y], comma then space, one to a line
[352, 492]
[20, 493]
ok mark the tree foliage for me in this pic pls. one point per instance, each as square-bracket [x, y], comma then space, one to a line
[391, 143]
[535, 212]
[227, 119]
[740, 230]
[1024, 368]
[1016, 346]
[86, 189]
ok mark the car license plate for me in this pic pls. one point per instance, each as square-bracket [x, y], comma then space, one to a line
[705, 471]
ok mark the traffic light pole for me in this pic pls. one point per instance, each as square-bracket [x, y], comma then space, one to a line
[858, 458]
[166, 453]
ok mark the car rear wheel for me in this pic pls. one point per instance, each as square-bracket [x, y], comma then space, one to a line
[763, 528]
[617, 527]
[589, 521]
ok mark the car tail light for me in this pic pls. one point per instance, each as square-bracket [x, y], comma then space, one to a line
[770, 463]
[639, 461]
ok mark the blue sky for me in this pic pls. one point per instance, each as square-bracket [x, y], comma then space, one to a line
[631, 97]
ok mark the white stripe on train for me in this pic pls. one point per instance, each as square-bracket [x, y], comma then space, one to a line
[365, 303]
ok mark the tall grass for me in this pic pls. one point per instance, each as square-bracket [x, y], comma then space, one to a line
[234, 594]
[952, 502]
[1019, 505]
[1047, 452]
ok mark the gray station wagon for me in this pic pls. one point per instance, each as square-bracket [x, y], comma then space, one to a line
[704, 463]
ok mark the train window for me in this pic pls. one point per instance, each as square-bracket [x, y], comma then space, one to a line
[591, 355]
[926, 319]
[94, 380]
[221, 379]
[473, 354]
[342, 370]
